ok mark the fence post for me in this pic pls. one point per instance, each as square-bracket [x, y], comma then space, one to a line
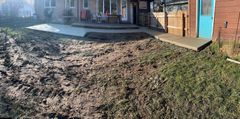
[166, 22]
[182, 24]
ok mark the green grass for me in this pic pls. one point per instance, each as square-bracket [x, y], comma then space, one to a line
[191, 85]
[10, 32]
[88, 54]
[202, 85]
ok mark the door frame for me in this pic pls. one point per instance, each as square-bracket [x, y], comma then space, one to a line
[134, 16]
[124, 19]
[197, 18]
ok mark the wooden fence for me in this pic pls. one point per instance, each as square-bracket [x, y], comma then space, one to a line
[176, 23]
[157, 20]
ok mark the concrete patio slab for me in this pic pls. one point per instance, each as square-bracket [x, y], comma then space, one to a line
[77, 31]
[196, 44]
[190, 43]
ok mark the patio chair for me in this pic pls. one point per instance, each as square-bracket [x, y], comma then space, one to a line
[83, 15]
[104, 19]
[94, 18]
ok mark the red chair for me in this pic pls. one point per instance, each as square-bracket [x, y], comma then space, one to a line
[83, 15]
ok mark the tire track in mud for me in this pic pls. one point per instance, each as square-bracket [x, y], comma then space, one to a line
[9, 105]
[36, 83]
[4, 56]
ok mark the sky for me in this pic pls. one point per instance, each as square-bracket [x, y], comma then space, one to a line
[2, 1]
[30, 1]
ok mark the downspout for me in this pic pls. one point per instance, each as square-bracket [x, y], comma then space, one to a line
[78, 10]
[189, 18]
[197, 9]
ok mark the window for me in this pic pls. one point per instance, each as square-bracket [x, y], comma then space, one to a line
[107, 7]
[206, 7]
[114, 7]
[69, 4]
[85, 3]
[100, 7]
[49, 3]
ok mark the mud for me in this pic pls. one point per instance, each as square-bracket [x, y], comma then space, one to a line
[48, 75]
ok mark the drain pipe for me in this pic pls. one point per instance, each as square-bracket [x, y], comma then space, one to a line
[233, 61]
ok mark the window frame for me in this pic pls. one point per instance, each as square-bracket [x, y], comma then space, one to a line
[84, 4]
[110, 6]
[50, 4]
[68, 4]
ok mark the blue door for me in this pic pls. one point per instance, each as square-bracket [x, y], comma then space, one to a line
[205, 21]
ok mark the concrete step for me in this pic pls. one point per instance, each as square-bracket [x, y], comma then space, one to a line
[105, 26]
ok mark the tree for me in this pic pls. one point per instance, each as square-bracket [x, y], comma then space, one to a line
[11, 7]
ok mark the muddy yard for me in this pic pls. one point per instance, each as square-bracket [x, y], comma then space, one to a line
[49, 75]
[44, 75]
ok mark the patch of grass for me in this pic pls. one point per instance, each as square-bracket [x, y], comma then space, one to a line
[150, 58]
[10, 32]
[189, 85]
[202, 85]
[88, 54]
[123, 106]
[153, 57]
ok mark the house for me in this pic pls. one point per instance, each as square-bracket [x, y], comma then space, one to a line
[27, 10]
[129, 10]
[211, 19]
[206, 19]
[19, 8]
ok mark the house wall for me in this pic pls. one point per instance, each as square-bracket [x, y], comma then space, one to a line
[57, 11]
[226, 10]
[60, 6]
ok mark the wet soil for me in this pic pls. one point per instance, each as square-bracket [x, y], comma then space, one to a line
[49, 75]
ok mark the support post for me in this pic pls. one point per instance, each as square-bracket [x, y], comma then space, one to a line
[165, 16]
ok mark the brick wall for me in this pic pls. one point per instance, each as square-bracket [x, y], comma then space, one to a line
[226, 10]
[192, 18]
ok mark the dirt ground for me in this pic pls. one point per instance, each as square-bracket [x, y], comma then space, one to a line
[48, 75]
[130, 76]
